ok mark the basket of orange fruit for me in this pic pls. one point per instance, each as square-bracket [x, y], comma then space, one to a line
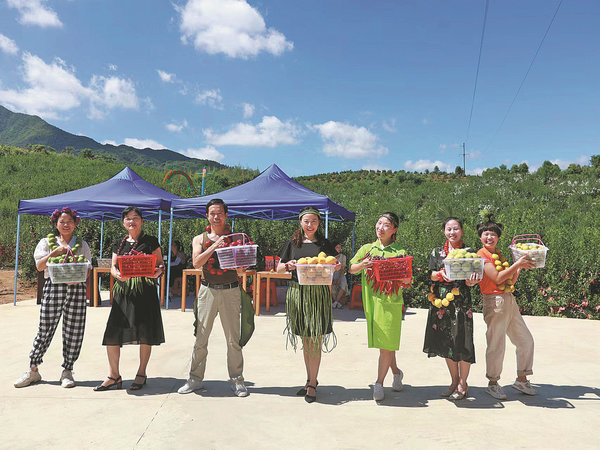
[316, 270]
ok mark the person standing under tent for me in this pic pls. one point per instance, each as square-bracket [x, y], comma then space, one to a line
[308, 307]
[59, 299]
[219, 294]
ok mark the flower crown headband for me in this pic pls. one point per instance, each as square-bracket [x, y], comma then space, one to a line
[66, 210]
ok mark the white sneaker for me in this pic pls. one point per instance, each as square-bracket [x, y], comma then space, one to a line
[378, 394]
[29, 377]
[397, 383]
[190, 386]
[66, 379]
[496, 391]
[524, 387]
[239, 388]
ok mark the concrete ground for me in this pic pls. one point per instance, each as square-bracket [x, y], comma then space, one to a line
[565, 413]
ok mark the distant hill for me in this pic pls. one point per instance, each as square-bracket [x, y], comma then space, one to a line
[23, 130]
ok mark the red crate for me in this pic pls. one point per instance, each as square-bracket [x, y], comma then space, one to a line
[137, 265]
[393, 268]
[271, 263]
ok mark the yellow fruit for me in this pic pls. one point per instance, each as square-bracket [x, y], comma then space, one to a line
[314, 260]
[495, 256]
[331, 260]
[455, 291]
[502, 287]
[449, 296]
[505, 264]
[322, 261]
[437, 302]
[431, 297]
[322, 255]
[498, 262]
[301, 261]
[499, 268]
[445, 302]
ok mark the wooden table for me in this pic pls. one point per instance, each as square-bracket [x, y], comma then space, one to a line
[267, 276]
[184, 275]
[99, 270]
[198, 274]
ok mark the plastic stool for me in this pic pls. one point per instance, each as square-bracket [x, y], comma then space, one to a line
[356, 297]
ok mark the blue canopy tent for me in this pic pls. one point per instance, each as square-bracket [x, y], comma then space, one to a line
[270, 196]
[102, 201]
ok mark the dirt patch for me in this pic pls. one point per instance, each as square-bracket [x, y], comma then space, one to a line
[26, 290]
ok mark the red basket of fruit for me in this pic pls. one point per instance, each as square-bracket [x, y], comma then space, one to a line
[239, 251]
[138, 265]
[391, 269]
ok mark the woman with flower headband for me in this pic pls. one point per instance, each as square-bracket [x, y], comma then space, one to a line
[382, 301]
[501, 312]
[449, 330]
[135, 314]
[308, 307]
[59, 299]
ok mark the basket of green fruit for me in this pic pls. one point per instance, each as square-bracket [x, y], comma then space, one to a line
[68, 268]
[459, 264]
[530, 245]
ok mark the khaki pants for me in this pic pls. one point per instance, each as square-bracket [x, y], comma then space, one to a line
[502, 316]
[227, 303]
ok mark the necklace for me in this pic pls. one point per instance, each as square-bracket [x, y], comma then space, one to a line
[135, 244]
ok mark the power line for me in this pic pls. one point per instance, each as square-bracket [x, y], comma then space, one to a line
[487, 3]
[526, 74]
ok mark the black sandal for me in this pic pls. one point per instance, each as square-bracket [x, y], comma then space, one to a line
[311, 398]
[138, 386]
[302, 392]
[118, 382]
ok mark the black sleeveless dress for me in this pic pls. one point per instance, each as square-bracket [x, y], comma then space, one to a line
[135, 317]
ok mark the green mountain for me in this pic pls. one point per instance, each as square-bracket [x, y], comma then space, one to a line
[23, 130]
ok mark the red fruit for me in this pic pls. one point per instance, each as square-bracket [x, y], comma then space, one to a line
[212, 271]
[208, 228]
[207, 244]
[211, 260]
[239, 242]
[220, 272]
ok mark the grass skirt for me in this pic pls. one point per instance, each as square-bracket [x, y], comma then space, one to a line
[309, 316]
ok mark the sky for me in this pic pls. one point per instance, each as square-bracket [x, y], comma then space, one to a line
[315, 85]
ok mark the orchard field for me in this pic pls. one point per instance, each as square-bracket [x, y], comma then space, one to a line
[560, 205]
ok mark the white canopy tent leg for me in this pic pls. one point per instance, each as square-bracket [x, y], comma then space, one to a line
[17, 256]
[169, 260]
[101, 236]
[327, 224]
[158, 284]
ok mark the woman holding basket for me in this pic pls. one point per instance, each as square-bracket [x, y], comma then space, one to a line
[449, 331]
[382, 301]
[59, 299]
[308, 307]
[135, 314]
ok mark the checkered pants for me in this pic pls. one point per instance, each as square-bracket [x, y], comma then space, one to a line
[70, 302]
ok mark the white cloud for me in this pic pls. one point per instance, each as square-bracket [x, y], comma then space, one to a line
[348, 141]
[166, 76]
[112, 67]
[34, 12]
[582, 160]
[231, 27]
[108, 141]
[390, 125]
[478, 171]
[474, 154]
[204, 153]
[423, 164]
[176, 128]
[211, 97]
[248, 110]
[443, 147]
[270, 132]
[54, 88]
[143, 143]
[374, 167]
[7, 45]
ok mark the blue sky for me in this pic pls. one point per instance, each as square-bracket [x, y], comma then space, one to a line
[314, 86]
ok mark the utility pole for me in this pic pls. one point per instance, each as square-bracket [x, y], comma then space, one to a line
[464, 160]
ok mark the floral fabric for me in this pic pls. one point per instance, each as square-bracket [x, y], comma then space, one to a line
[449, 331]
